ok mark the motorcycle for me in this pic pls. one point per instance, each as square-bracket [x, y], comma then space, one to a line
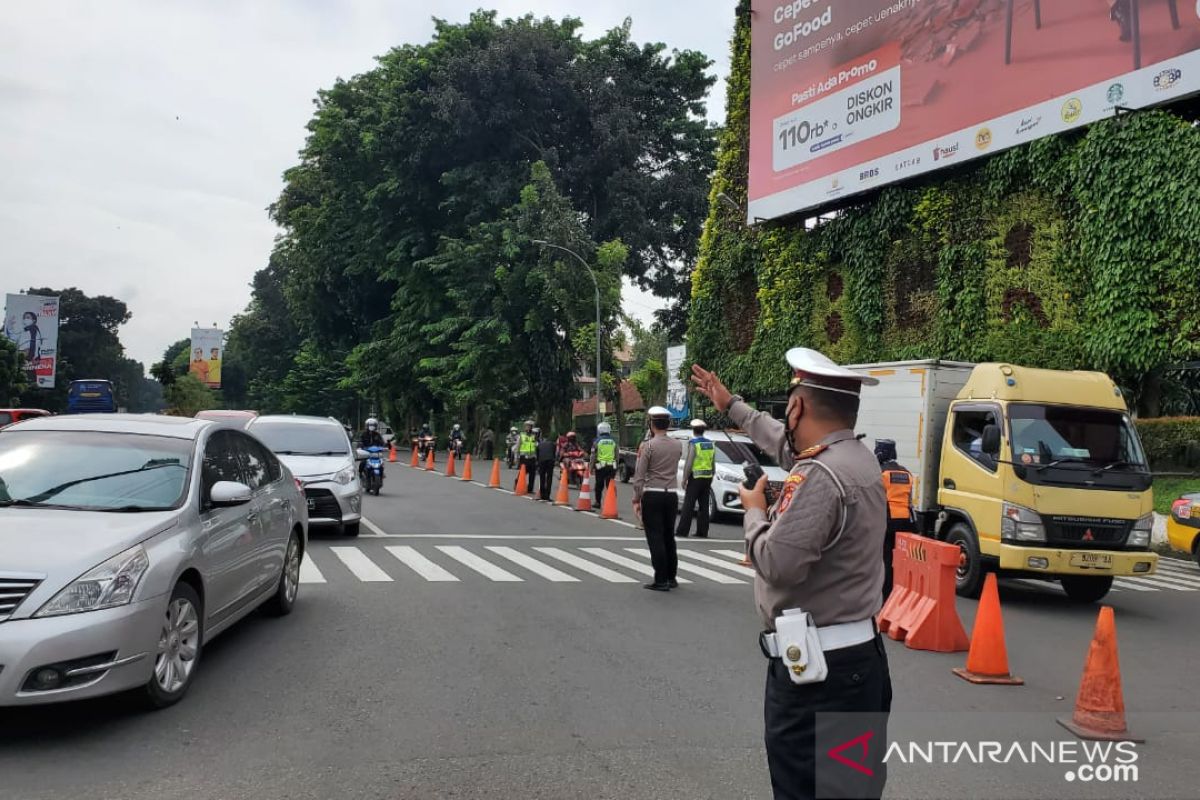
[425, 444]
[577, 467]
[373, 470]
[455, 448]
[511, 452]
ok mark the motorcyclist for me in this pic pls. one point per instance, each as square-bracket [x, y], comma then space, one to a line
[571, 448]
[371, 437]
[456, 439]
[510, 445]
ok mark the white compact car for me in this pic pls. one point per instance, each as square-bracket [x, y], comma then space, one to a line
[734, 451]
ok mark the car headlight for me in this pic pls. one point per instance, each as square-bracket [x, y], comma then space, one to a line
[1020, 524]
[1140, 535]
[110, 584]
[729, 477]
[345, 476]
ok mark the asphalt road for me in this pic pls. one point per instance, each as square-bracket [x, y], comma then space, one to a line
[472, 644]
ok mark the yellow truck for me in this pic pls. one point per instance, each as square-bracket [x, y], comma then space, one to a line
[1035, 473]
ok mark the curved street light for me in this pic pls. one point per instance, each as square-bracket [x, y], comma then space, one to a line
[596, 284]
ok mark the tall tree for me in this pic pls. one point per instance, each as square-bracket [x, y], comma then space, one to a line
[12, 373]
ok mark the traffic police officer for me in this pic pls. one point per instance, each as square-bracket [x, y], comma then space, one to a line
[898, 484]
[816, 550]
[697, 481]
[527, 452]
[654, 498]
[604, 461]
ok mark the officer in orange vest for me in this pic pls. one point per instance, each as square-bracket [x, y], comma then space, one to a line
[898, 483]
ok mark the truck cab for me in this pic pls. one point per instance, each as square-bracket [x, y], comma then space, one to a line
[1035, 473]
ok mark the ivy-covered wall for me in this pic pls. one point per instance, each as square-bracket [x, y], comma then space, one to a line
[1079, 251]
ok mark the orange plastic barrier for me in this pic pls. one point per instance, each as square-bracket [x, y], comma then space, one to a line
[609, 509]
[392, 453]
[450, 464]
[920, 610]
[429, 459]
[563, 498]
[585, 493]
[522, 483]
[1100, 706]
[416, 459]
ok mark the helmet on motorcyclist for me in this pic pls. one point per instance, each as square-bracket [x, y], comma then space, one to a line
[603, 428]
[529, 425]
[372, 424]
[570, 436]
[513, 429]
[457, 426]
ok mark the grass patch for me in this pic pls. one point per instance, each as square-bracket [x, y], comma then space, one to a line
[1168, 489]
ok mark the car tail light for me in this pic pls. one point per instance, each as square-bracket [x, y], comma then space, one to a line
[1182, 508]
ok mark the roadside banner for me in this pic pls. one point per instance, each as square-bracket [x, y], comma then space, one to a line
[31, 322]
[207, 348]
[677, 395]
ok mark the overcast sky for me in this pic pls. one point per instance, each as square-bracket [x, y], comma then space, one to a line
[142, 140]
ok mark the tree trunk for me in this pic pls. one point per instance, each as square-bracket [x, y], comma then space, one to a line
[1150, 397]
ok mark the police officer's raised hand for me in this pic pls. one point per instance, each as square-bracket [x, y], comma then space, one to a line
[709, 385]
[756, 497]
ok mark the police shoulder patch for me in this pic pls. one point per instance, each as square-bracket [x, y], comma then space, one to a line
[790, 485]
[813, 452]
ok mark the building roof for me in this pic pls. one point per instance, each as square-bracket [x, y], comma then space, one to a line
[630, 401]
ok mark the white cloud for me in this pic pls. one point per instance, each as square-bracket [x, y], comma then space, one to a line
[142, 140]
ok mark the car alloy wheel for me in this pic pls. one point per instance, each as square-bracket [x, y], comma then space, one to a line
[178, 646]
[291, 570]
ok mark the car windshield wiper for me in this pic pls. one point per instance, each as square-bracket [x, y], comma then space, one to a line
[131, 509]
[152, 464]
[1058, 461]
[318, 453]
[1118, 463]
[25, 502]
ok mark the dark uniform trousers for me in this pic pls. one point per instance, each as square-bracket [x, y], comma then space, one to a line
[803, 722]
[530, 463]
[603, 476]
[697, 492]
[658, 518]
[894, 526]
[546, 476]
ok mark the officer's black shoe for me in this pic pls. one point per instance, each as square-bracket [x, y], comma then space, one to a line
[674, 584]
[658, 587]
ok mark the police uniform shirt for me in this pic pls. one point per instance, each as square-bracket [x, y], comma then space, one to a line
[657, 465]
[691, 457]
[845, 582]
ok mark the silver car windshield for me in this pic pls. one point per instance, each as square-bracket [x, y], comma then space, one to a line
[301, 439]
[93, 471]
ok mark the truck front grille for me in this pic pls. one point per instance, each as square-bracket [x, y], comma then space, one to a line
[1086, 532]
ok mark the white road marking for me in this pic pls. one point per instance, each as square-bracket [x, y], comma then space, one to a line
[420, 564]
[622, 561]
[308, 570]
[363, 568]
[718, 562]
[373, 528]
[1180, 571]
[701, 571]
[533, 565]
[1137, 587]
[1161, 582]
[583, 564]
[484, 568]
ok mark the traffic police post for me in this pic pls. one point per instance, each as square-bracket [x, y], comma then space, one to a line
[819, 576]
[697, 476]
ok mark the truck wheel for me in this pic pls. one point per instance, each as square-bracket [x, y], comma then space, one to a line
[968, 580]
[1086, 588]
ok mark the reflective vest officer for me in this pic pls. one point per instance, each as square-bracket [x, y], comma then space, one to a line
[898, 484]
[604, 461]
[818, 582]
[527, 451]
[698, 472]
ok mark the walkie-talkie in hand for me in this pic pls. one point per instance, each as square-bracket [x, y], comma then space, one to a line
[753, 472]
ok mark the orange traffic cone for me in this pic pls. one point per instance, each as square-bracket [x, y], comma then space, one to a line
[1100, 706]
[429, 459]
[466, 476]
[585, 493]
[522, 483]
[987, 661]
[392, 453]
[609, 509]
[416, 459]
[494, 481]
[450, 464]
[563, 498]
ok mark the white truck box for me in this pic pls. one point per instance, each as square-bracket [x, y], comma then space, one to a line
[910, 405]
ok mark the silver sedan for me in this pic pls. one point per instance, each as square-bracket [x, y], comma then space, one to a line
[126, 543]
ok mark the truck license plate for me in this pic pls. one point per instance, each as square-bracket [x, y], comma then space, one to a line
[1093, 560]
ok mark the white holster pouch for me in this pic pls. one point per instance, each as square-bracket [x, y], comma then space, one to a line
[802, 645]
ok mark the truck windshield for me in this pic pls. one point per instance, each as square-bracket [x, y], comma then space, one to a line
[1081, 447]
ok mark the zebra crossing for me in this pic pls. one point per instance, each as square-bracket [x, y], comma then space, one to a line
[454, 563]
[1173, 575]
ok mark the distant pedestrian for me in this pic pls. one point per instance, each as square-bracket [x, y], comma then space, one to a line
[604, 462]
[654, 498]
[546, 459]
[898, 483]
[697, 482]
[487, 443]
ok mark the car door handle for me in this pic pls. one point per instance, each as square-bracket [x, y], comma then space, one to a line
[949, 484]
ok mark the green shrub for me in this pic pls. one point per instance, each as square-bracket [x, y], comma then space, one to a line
[1171, 443]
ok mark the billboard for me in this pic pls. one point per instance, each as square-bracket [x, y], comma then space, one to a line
[208, 346]
[31, 321]
[677, 394]
[850, 95]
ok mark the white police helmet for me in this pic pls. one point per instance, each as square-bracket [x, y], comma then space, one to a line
[603, 428]
[699, 423]
[815, 370]
[658, 411]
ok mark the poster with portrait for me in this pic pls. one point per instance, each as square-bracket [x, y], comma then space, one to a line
[208, 346]
[31, 322]
[677, 395]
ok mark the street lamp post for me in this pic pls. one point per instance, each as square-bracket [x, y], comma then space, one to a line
[596, 284]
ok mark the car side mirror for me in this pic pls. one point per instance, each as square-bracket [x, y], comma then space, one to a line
[991, 440]
[361, 455]
[225, 494]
